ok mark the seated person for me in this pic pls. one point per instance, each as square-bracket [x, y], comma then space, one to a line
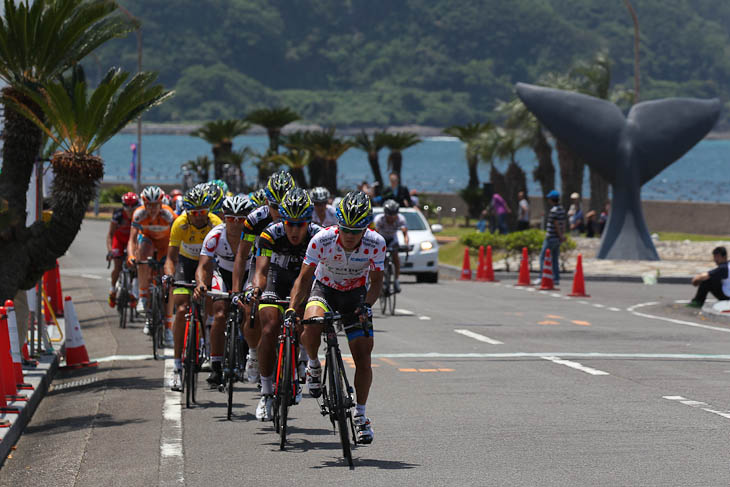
[715, 281]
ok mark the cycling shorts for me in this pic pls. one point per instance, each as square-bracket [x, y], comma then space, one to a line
[345, 303]
[279, 283]
[392, 244]
[119, 245]
[222, 280]
[185, 271]
[159, 244]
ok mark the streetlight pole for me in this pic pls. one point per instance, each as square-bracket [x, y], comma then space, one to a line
[138, 24]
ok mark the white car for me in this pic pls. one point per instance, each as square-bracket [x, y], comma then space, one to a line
[423, 251]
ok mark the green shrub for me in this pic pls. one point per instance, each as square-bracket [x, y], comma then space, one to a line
[476, 239]
[114, 193]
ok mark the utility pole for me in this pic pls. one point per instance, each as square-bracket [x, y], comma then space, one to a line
[138, 25]
[635, 18]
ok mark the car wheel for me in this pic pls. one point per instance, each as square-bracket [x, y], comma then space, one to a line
[430, 277]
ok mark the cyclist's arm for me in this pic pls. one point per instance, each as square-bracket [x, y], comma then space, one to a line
[204, 272]
[239, 264]
[405, 235]
[302, 286]
[132, 243]
[262, 271]
[110, 236]
[376, 285]
[171, 262]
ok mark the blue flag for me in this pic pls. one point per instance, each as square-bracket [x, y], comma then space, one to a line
[133, 164]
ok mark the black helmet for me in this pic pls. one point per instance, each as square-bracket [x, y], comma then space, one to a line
[320, 195]
[277, 186]
[296, 206]
[355, 210]
[391, 207]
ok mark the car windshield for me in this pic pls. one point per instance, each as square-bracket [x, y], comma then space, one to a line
[414, 221]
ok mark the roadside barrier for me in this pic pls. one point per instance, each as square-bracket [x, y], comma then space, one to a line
[466, 266]
[547, 283]
[52, 287]
[15, 347]
[9, 389]
[76, 354]
[524, 279]
[579, 283]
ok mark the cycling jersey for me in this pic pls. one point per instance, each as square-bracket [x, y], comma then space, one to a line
[188, 237]
[153, 228]
[344, 270]
[216, 246]
[389, 230]
[255, 223]
[274, 243]
[124, 225]
[330, 217]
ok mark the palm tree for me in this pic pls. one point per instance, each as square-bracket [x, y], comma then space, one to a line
[372, 145]
[329, 148]
[296, 160]
[468, 134]
[200, 166]
[80, 123]
[398, 142]
[303, 140]
[235, 161]
[273, 120]
[220, 134]
[508, 143]
[39, 41]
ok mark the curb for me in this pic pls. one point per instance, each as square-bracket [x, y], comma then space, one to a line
[40, 378]
[447, 271]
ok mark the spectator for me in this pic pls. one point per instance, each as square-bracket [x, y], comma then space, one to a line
[414, 198]
[482, 223]
[367, 189]
[715, 281]
[591, 224]
[575, 215]
[500, 210]
[603, 218]
[554, 235]
[523, 212]
[397, 192]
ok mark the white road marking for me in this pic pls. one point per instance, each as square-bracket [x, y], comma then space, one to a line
[613, 309]
[477, 336]
[698, 404]
[556, 295]
[682, 301]
[680, 356]
[91, 276]
[114, 358]
[405, 312]
[671, 320]
[424, 318]
[584, 302]
[575, 365]
[597, 305]
[172, 462]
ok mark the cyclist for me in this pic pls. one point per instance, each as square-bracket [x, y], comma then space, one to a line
[186, 240]
[217, 195]
[276, 187]
[117, 239]
[340, 259]
[221, 184]
[150, 234]
[387, 224]
[176, 197]
[215, 271]
[324, 214]
[281, 249]
[258, 197]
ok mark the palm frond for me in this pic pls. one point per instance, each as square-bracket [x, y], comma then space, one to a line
[275, 118]
[221, 131]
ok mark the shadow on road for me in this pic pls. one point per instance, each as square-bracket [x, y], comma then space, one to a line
[74, 423]
[379, 464]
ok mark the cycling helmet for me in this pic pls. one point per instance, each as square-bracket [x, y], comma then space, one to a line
[391, 207]
[258, 198]
[296, 206]
[355, 210]
[320, 195]
[175, 193]
[152, 194]
[277, 186]
[237, 205]
[216, 197]
[166, 199]
[196, 198]
[221, 184]
[130, 199]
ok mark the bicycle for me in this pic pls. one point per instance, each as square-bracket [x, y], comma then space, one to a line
[124, 291]
[194, 347]
[156, 306]
[337, 402]
[387, 294]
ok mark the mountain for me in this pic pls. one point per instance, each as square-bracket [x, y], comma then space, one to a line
[428, 62]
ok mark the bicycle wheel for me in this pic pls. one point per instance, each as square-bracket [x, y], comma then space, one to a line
[385, 291]
[391, 287]
[189, 361]
[154, 323]
[122, 308]
[231, 364]
[285, 390]
[340, 406]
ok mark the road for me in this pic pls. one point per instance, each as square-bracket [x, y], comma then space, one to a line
[474, 384]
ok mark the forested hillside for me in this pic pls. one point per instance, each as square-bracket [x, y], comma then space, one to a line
[430, 62]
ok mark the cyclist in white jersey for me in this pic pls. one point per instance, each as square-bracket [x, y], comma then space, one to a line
[387, 224]
[215, 271]
[340, 259]
[324, 214]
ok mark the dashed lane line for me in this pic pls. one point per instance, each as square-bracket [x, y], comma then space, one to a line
[477, 336]
[613, 309]
[424, 318]
[575, 365]
[589, 355]
[671, 320]
[172, 461]
[405, 312]
[698, 404]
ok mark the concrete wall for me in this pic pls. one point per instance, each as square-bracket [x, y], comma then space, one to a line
[661, 216]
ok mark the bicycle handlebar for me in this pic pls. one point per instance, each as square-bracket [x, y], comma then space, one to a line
[322, 320]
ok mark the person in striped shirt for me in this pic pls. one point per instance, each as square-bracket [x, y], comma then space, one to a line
[554, 235]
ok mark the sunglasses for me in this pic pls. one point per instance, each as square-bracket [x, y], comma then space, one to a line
[295, 224]
[197, 212]
[235, 219]
[130, 207]
[351, 231]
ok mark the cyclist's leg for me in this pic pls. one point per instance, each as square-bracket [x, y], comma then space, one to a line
[145, 249]
[180, 299]
[217, 332]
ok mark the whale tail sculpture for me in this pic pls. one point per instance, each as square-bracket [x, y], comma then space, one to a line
[626, 151]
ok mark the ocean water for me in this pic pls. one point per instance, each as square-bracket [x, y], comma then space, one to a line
[437, 164]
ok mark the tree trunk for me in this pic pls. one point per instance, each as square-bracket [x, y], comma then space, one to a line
[375, 166]
[21, 145]
[316, 171]
[544, 172]
[274, 135]
[473, 163]
[599, 192]
[299, 177]
[395, 162]
[571, 173]
[516, 181]
[331, 175]
[499, 183]
[220, 153]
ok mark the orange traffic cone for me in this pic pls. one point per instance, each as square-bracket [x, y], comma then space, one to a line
[482, 264]
[52, 288]
[579, 284]
[76, 354]
[466, 267]
[488, 272]
[15, 347]
[546, 284]
[9, 390]
[524, 279]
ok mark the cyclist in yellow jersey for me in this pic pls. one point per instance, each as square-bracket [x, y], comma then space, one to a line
[186, 240]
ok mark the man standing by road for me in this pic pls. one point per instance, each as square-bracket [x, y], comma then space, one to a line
[715, 281]
[554, 235]
[397, 192]
[523, 215]
[501, 209]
